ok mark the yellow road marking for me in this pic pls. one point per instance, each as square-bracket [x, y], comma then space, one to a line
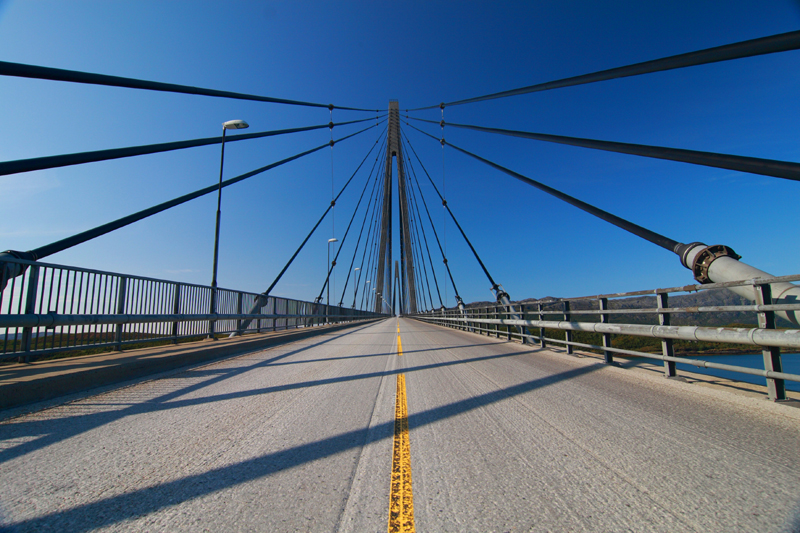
[399, 346]
[401, 499]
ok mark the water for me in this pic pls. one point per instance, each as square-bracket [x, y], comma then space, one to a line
[791, 365]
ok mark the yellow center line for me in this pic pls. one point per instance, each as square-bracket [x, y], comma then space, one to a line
[401, 499]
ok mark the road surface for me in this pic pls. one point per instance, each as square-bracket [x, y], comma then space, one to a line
[501, 437]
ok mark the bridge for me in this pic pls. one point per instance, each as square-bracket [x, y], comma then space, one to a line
[134, 402]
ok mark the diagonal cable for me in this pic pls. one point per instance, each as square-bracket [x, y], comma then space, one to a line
[753, 165]
[69, 242]
[63, 160]
[765, 45]
[56, 74]
[639, 231]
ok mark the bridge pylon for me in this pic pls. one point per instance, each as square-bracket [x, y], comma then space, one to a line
[408, 286]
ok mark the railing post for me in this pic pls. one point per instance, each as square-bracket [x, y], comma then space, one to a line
[666, 344]
[772, 354]
[567, 333]
[496, 326]
[176, 310]
[260, 312]
[212, 310]
[274, 314]
[30, 308]
[239, 311]
[524, 316]
[604, 319]
[506, 315]
[122, 290]
[541, 330]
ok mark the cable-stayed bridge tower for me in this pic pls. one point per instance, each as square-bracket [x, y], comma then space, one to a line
[408, 297]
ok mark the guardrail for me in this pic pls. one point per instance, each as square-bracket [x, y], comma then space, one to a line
[494, 320]
[54, 308]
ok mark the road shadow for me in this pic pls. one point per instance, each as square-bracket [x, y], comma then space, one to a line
[112, 510]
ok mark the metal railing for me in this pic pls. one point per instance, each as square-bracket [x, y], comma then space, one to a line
[596, 317]
[53, 308]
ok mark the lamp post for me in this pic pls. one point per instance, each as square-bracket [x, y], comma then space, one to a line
[354, 286]
[229, 125]
[328, 282]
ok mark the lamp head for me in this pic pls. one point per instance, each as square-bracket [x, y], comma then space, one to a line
[235, 125]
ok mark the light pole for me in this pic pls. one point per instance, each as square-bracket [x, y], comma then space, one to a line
[328, 282]
[229, 125]
[354, 286]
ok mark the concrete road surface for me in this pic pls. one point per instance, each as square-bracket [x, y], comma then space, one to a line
[502, 437]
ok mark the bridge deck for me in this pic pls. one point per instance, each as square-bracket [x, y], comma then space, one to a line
[502, 437]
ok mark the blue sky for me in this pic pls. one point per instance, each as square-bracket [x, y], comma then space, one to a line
[363, 54]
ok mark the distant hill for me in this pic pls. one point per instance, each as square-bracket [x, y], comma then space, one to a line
[709, 298]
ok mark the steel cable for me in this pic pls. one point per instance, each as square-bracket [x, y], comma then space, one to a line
[69, 242]
[765, 45]
[639, 231]
[463, 234]
[56, 74]
[753, 165]
[63, 160]
[435, 234]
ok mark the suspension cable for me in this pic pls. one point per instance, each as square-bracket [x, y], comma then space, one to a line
[639, 231]
[56, 74]
[358, 245]
[366, 212]
[765, 45]
[435, 234]
[55, 161]
[495, 286]
[261, 299]
[372, 245]
[753, 165]
[69, 242]
[347, 231]
[417, 224]
[367, 245]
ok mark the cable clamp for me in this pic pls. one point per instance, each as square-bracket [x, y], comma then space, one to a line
[441, 106]
[443, 141]
[445, 261]
[444, 203]
[333, 264]
[441, 123]
[330, 106]
[330, 125]
[333, 203]
[332, 143]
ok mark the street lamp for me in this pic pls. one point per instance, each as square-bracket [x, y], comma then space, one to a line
[229, 125]
[354, 286]
[328, 280]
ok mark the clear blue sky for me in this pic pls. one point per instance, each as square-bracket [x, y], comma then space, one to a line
[422, 53]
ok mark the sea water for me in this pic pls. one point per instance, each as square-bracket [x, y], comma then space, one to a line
[790, 361]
